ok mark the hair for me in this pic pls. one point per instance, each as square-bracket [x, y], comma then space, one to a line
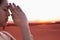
[1, 1]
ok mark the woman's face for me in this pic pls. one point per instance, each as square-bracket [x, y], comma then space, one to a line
[4, 7]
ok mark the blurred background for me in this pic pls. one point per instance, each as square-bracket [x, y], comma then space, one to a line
[43, 17]
[40, 10]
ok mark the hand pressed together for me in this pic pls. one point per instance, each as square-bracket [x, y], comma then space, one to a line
[17, 15]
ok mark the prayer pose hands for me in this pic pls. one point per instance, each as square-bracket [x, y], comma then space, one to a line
[18, 15]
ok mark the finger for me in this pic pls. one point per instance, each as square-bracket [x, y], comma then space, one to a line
[13, 11]
[11, 8]
[14, 6]
[19, 8]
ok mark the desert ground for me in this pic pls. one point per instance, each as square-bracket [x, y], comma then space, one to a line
[39, 31]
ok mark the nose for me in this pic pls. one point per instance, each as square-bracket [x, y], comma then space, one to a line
[8, 14]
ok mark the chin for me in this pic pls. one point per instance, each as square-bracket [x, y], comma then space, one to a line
[3, 23]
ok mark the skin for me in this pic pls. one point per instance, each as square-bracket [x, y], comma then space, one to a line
[4, 13]
[18, 16]
[20, 20]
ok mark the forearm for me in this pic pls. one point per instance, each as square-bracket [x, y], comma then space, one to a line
[20, 20]
[26, 34]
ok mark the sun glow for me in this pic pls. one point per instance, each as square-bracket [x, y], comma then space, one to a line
[42, 10]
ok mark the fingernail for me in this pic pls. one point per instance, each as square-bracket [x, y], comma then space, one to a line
[9, 3]
[18, 6]
[13, 4]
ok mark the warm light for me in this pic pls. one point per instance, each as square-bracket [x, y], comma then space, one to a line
[43, 10]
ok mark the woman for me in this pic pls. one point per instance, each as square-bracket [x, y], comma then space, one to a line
[19, 19]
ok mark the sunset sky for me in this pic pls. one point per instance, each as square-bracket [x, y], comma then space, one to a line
[40, 10]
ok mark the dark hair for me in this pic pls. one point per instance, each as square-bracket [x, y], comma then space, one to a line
[1, 1]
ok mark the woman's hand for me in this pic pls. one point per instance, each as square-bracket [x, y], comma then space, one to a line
[20, 20]
[18, 15]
